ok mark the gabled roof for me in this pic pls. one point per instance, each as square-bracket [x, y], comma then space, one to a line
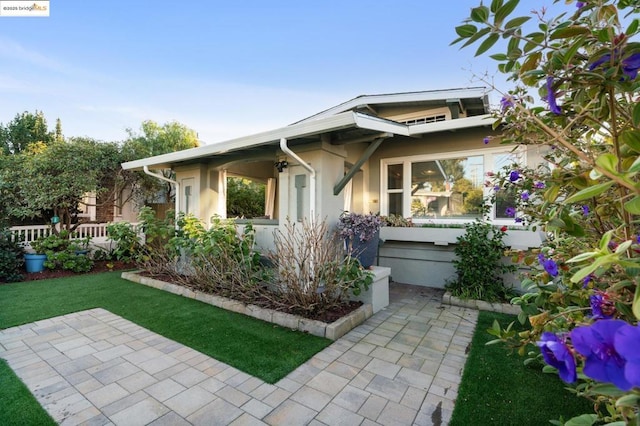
[342, 121]
[474, 98]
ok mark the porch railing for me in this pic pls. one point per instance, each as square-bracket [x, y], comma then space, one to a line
[29, 233]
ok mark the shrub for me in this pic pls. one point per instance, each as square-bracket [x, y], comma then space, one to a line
[313, 274]
[68, 260]
[11, 257]
[480, 265]
[128, 244]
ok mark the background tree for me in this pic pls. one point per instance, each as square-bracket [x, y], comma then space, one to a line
[154, 139]
[245, 198]
[25, 129]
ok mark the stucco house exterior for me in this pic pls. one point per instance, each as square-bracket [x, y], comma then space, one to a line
[417, 154]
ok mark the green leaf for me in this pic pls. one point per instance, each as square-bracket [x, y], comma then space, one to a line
[504, 11]
[583, 420]
[632, 28]
[487, 44]
[605, 389]
[635, 167]
[556, 223]
[480, 14]
[477, 36]
[633, 205]
[495, 5]
[466, 31]
[568, 32]
[608, 162]
[516, 22]
[636, 115]
[635, 307]
[582, 257]
[630, 400]
[631, 138]
[590, 192]
[499, 57]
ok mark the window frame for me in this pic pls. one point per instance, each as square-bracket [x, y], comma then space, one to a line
[407, 161]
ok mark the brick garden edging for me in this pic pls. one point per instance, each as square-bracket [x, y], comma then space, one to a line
[332, 331]
[481, 305]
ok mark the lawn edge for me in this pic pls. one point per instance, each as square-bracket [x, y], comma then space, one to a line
[331, 331]
[480, 305]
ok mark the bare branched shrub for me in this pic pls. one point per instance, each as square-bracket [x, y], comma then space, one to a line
[313, 274]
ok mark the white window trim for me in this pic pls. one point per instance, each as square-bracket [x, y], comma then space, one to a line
[406, 161]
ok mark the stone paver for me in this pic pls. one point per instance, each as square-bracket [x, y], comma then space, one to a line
[401, 367]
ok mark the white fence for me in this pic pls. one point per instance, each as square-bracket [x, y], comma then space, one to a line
[27, 234]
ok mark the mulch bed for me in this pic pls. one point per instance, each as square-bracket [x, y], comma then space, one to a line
[98, 266]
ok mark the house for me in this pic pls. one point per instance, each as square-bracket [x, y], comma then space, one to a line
[414, 154]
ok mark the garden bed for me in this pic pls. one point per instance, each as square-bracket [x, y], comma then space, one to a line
[349, 315]
[98, 267]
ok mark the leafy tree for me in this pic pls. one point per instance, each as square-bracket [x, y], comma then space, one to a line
[26, 128]
[155, 139]
[582, 300]
[245, 198]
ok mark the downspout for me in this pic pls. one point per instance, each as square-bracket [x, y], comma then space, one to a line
[312, 199]
[312, 178]
[166, 179]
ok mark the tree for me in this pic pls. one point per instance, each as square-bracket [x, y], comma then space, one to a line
[155, 140]
[26, 128]
[245, 198]
[582, 300]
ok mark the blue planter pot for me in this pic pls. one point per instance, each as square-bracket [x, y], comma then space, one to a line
[34, 262]
[365, 251]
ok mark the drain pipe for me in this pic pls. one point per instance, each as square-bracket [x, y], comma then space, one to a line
[312, 178]
[312, 200]
[166, 179]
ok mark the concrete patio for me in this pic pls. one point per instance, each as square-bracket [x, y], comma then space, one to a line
[401, 367]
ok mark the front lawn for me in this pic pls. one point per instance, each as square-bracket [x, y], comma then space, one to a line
[498, 389]
[258, 348]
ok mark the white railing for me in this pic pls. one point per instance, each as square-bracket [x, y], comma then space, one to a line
[29, 233]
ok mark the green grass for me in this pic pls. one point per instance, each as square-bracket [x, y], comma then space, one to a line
[258, 348]
[17, 406]
[498, 389]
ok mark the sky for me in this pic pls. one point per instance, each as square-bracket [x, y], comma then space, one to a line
[225, 68]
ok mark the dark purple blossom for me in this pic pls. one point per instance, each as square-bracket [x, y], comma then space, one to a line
[556, 353]
[586, 281]
[525, 195]
[539, 185]
[551, 97]
[585, 210]
[638, 239]
[496, 188]
[549, 265]
[506, 102]
[514, 175]
[601, 306]
[625, 342]
[486, 140]
[510, 211]
[630, 64]
[603, 361]
[580, 4]
[519, 220]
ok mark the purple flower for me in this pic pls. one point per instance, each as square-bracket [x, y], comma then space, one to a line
[496, 188]
[580, 4]
[630, 64]
[510, 211]
[586, 281]
[514, 175]
[625, 342]
[557, 354]
[585, 210]
[601, 306]
[519, 220]
[638, 239]
[549, 265]
[525, 195]
[603, 361]
[551, 97]
[539, 185]
[486, 140]
[506, 102]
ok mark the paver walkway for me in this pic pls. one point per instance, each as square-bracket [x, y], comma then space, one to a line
[401, 367]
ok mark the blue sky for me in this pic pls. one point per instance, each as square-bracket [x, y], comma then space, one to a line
[224, 68]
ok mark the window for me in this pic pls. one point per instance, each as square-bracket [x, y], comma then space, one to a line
[445, 187]
[425, 120]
